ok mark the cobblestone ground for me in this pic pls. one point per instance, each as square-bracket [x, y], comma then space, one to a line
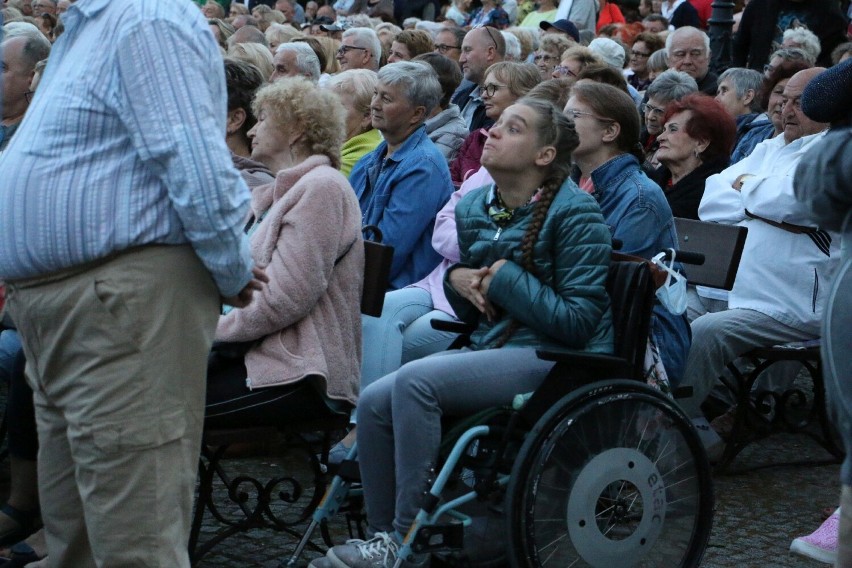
[757, 513]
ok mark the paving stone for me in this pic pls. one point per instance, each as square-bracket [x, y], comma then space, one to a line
[757, 513]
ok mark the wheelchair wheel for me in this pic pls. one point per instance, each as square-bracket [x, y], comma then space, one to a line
[612, 475]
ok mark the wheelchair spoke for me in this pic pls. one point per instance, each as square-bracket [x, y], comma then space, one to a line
[588, 499]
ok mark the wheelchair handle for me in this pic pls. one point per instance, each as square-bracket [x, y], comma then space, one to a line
[694, 258]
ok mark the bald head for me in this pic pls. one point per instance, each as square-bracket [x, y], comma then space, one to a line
[20, 55]
[248, 34]
[480, 49]
[795, 122]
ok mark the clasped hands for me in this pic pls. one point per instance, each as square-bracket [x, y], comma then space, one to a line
[473, 284]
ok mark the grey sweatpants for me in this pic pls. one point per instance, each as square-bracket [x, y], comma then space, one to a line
[399, 420]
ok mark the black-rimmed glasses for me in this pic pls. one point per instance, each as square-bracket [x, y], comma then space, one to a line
[343, 49]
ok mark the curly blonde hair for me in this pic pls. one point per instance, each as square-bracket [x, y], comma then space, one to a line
[297, 101]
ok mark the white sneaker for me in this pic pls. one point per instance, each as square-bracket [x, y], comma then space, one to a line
[713, 444]
[381, 551]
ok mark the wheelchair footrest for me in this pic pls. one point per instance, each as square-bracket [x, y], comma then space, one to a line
[439, 537]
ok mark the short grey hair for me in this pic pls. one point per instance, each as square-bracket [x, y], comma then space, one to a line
[366, 38]
[671, 86]
[513, 46]
[744, 80]
[807, 39]
[659, 60]
[684, 31]
[307, 61]
[36, 47]
[793, 54]
[418, 80]
[360, 84]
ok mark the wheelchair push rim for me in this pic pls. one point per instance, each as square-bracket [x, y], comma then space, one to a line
[612, 475]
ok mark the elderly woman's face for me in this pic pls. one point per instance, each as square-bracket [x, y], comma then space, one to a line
[496, 96]
[639, 55]
[270, 140]
[399, 52]
[546, 60]
[776, 98]
[357, 121]
[655, 109]
[392, 113]
[676, 146]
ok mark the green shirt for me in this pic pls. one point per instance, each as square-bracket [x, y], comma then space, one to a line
[533, 19]
[356, 148]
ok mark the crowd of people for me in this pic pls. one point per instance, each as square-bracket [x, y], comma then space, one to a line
[185, 187]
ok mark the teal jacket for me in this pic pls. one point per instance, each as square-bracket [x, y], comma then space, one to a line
[565, 303]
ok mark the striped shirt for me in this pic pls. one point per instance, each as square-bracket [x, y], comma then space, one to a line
[124, 145]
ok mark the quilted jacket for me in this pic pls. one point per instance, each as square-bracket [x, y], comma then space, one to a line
[565, 303]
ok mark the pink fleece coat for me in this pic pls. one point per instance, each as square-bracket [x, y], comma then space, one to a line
[308, 317]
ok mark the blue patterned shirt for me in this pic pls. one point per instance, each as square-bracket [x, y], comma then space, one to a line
[123, 145]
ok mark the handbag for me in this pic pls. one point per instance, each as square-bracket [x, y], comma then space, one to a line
[377, 265]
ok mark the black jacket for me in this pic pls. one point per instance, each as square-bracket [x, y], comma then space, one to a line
[684, 197]
[462, 97]
[753, 41]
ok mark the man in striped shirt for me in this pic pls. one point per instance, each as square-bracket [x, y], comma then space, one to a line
[120, 224]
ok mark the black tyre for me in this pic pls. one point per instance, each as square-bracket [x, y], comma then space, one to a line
[613, 475]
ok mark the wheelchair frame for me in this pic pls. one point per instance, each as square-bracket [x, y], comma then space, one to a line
[625, 468]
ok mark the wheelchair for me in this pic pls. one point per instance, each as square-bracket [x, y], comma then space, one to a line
[595, 468]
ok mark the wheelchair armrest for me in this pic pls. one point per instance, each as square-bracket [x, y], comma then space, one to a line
[597, 364]
[453, 326]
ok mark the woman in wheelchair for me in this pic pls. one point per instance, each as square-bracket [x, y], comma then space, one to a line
[293, 353]
[534, 259]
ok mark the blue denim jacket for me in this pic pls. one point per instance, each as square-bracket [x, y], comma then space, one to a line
[638, 214]
[401, 195]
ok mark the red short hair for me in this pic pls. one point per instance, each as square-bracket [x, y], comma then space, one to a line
[710, 121]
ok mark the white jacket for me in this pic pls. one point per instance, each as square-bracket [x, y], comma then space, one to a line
[782, 274]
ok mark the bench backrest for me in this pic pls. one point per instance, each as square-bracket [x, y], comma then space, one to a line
[721, 245]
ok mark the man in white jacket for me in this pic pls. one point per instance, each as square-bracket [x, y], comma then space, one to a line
[787, 264]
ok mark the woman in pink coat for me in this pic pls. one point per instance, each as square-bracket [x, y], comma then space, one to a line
[295, 351]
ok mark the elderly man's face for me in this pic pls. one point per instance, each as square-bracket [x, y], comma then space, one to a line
[477, 54]
[689, 54]
[311, 10]
[350, 55]
[44, 6]
[17, 75]
[447, 44]
[62, 6]
[285, 65]
[286, 8]
[796, 123]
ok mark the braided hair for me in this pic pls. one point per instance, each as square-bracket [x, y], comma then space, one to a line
[554, 129]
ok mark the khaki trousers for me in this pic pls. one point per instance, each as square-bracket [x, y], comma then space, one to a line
[116, 356]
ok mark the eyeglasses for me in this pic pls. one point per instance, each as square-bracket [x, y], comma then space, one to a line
[543, 57]
[767, 69]
[444, 48]
[652, 110]
[574, 113]
[488, 31]
[640, 54]
[343, 49]
[562, 71]
[490, 89]
[694, 53]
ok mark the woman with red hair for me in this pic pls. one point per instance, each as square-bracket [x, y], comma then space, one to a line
[695, 143]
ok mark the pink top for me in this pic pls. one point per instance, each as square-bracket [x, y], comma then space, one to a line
[445, 240]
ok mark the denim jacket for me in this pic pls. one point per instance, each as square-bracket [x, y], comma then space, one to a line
[638, 215]
[402, 195]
